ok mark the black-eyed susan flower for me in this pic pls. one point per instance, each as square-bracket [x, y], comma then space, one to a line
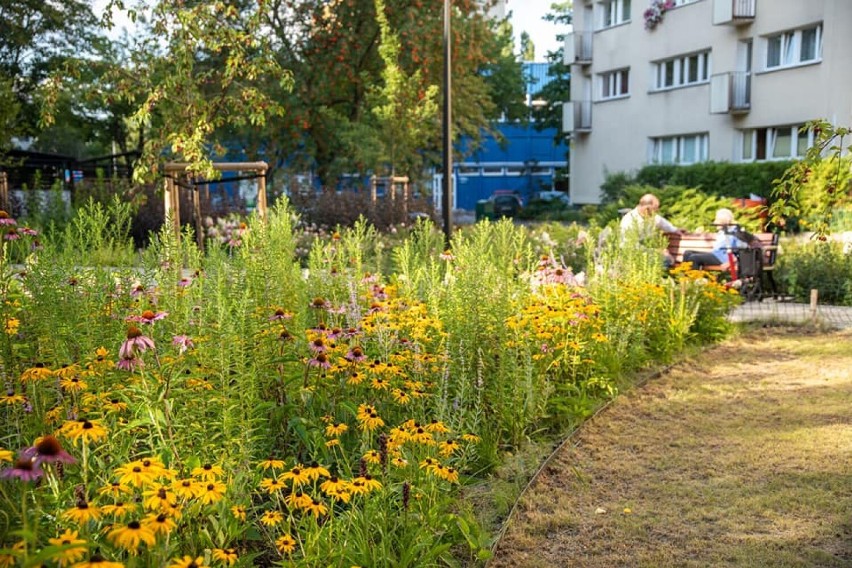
[335, 430]
[75, 547]
[446, 473]
[355, 378]
[285, 544]
[297, 476]
[369, 418]
[334, 485]
[332, 443]
[159, 523]
[473, 438]
[379, 383]
[6, 455]
[297, 500]
[271, 463]
[400, 396]
[85, 430]
[82, 512]
[364, 484]
[11, 398]
[74, 383]
[399, 462]
[448, 447]
[186, 488]
[188, 562]
[114, 490]
[438, 427]
[208, 472]
[271, 518]
[158, 497]
[373, 457]
[227, 556]
[421, 436]
[316, 508]
[239, 512]
[272, 485]
[129, 536]
[114, 405]
[135, 475]
[36, 374]
[211, 492]
[315, 471]
[119, 510]
[98, 561]
[429, 464]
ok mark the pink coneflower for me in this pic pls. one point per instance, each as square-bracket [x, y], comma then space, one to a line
[134, 344]
[182, 342]
[147, 317]
[356, 354]
[47, 450]
[320, 303]
[130, 363]
[318, 345]
[28, 232]
[320, 360]
[12, 235]
[185, 282]
[5, 219]
[280, 315]
[447, 255]
[24, 469]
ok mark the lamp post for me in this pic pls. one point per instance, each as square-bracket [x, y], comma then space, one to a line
[447, 181]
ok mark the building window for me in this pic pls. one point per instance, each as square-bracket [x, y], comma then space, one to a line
[794, 47]
[687, 149]
[468, 170]
[615, 84]
[776, 143]
[683, 2]
[682, 71]
[614, 12]
[492, 170]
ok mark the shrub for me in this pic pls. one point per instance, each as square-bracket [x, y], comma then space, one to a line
[824, 266]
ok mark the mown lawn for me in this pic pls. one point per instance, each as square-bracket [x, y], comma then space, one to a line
[740, 456]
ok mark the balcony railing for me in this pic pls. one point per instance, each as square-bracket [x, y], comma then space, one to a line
[734, 11]
[730, 92]
[578, 48]
[577, 116]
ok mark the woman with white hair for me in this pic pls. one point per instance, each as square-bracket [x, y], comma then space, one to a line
[728, 237]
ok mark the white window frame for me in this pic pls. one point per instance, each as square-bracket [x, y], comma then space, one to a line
[492, 171]
[614, 84]
[681, 67]
[749, 138]
[683, 2]
[677, 146]
[790, 47]
[612, 13]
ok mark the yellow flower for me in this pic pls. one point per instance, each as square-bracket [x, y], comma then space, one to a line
[73, 384]
[12, 325]
[315, 471]
[271, 518]
[227, 556]
[212, 492]
[421, 436]
[297, 500]
[368, 418]
[159, 523]
[6, 455]
[134, 474]
[297, 475]
[331, 443]
[158, 498]
[399, 462]
[373, 457]
[271, 485]
[447, 447]
[36, 374]
[470, 438]
[82, 512]
[285, 544]
[333, 485]
[119, 510]
[364, 485]
[400, 396]
[271, 463]
[131, 535]
[437, 426]
[447, 473]
[239, 512]
[85, 430]
[98, 561]
[316, 507]
[188, 562]
[334, 430]
[208, 472]
[76, 547]
[186, 488]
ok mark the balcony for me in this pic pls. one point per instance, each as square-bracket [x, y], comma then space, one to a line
[730, 92]
[577, 116]
[734, 12]
[578, 48]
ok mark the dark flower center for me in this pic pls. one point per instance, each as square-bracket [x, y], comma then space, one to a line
[161, 518]
[210, 487]
[137, 469]
[133, 332]
[207, 467]
[161, 493]
[48, 446]
[134, 525]
[24, 464]
[87, 425]
[148, 314]
[146, 463]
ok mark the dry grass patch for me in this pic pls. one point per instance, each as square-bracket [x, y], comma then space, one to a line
[741, 456]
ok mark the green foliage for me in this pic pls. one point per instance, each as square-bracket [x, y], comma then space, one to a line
[816, 265]
[816, 186]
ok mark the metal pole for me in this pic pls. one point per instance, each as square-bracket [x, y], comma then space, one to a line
[447, 181]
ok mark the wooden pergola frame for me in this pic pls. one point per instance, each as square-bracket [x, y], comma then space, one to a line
[5, 205]
[175, 170]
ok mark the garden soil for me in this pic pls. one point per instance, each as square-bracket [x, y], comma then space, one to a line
[740, 456]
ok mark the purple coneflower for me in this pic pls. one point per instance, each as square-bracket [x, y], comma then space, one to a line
[318, 345]
[320, 360]
[185, 282]
[47, 449]
[134, 344]
[12, 235]
[5, 219]
[355, 354]
[28, 232]
[137, 291]
[24, 469]
[130, 363]
[182, 342]
[280, 314]
[147, 317]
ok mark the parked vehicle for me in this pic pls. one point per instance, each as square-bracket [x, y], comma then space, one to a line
[507, 203]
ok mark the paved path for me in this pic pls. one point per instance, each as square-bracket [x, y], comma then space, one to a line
[838, 317]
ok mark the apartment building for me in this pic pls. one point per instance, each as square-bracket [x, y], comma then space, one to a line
[688, 81]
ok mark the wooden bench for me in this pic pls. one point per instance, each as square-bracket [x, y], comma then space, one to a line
[703, 242]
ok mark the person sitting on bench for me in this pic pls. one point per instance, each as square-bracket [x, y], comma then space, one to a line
[728, 237]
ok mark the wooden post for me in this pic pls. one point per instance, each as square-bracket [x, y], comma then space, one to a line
[261, 194]
[171, 205]
[814, 297]
[196, 210]
[4, 193]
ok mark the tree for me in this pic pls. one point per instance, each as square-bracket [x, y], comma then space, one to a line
[558, 90]
[527, 47]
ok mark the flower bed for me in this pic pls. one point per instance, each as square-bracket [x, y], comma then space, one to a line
[231, 409]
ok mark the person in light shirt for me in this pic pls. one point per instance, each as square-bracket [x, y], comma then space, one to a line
[729, 237]
[644, 221]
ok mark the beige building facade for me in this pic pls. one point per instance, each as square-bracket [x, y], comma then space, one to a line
[708, 80]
